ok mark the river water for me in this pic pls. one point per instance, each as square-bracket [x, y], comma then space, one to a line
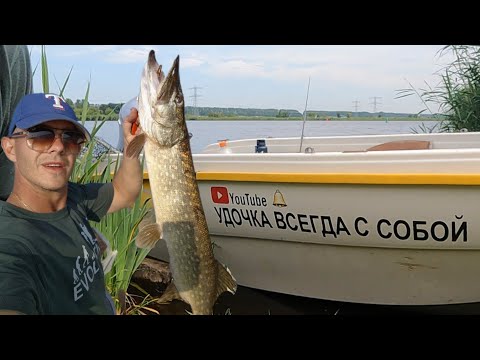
[209, 132]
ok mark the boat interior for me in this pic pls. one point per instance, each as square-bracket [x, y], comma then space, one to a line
[360, 143]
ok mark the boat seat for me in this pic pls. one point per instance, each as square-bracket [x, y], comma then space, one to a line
[397, 145]
[402, 145]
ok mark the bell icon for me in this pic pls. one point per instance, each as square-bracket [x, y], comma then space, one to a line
[278, 199]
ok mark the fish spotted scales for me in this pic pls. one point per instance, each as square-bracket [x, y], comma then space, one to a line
[178, 217]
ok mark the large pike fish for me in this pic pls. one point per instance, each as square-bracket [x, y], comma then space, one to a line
[198, 278]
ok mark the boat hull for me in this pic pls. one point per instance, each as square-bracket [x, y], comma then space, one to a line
[374, 244]
[350, 274]
[387, 219]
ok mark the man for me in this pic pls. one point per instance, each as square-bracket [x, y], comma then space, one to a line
[49, 256]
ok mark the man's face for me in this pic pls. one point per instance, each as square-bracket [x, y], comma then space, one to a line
[49, 170]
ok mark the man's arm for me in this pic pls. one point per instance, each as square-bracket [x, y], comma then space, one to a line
[128, 180]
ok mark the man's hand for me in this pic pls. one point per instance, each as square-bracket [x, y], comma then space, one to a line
[131, 127]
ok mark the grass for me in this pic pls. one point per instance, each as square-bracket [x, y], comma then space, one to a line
[120, 228]
[422, 128]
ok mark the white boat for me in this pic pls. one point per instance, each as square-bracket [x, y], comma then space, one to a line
[378, 219]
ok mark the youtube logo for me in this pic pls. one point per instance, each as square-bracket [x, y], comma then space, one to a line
[219, 194]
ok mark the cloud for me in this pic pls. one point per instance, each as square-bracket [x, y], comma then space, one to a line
[191, 62]
[373, 66]
[127, 55]
[238, 68]
[72, 50]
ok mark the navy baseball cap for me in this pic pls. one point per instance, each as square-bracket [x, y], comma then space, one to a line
[35, 109]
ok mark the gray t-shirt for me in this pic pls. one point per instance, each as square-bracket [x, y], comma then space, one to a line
[50, 263]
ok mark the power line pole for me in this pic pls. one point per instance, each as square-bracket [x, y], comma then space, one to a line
[195, 96]
[356, 102]
[375, 103]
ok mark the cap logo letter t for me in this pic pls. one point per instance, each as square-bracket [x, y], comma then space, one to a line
[57, 104]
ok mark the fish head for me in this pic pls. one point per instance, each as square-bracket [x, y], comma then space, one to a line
[161, 103]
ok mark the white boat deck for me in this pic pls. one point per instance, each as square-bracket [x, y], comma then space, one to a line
[457, 153]
[336, 144]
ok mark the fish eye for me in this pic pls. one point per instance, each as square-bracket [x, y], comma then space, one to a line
[179, 99]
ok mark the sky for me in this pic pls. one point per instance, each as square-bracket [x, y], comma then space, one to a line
[342, 77]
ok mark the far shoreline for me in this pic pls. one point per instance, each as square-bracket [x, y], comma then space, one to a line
[269, 118]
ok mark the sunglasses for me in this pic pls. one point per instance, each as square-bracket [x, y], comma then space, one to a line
[42, 139]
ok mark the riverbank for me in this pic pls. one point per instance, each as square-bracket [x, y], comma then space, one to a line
[249, 301]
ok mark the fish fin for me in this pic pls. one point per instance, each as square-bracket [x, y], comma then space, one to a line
[149, 232]
[170, 293]
[136, 145]
[148, 236]
[226, 281]
[149, 218]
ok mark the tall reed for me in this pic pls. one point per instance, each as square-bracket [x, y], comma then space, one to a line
[458, 95]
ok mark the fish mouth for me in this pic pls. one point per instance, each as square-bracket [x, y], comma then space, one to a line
[171, 84]
[161, 103]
